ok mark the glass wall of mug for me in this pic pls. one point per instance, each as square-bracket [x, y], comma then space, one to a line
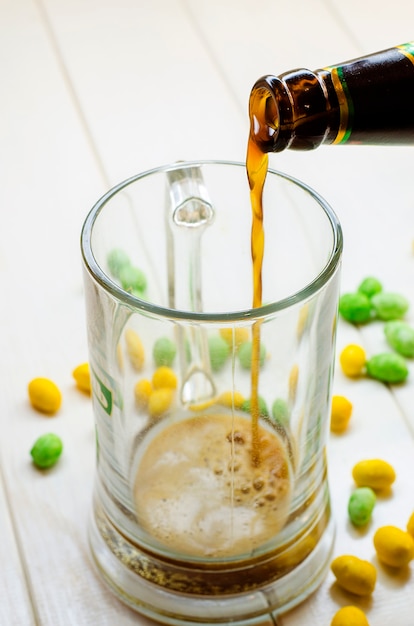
[211, 498]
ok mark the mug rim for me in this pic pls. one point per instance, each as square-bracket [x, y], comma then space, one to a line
[259, 313]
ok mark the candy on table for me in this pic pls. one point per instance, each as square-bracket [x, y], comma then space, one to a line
[46, 450]
[280, 411]
[82, 377]
[219, 351]
[370, 286]
[355, 307]
[231, 399]
[135, 349]
[349, 616]
[410, 525]
[377, 474]
[370, 302]
[400, 337]
[352, 360]
[360, 505]
[263, 410]
[116, 260]
[132, 279]
[394, 546]
[341, 411]
[44, 395]
[235, 336]
[354, 574]
[143, 390]
[160, 401]
[293, 382]
[245, 354]
[164, 351]
[387, 367]
[389, 306]
[164, 376]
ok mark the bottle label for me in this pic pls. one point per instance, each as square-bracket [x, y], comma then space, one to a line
[371, 91]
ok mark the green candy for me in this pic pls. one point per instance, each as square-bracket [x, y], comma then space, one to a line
[132, 279]
[219, 351]
[387, 367]
[163, 352]
[360, 505]
[46, 450]
[245, 354]
[263, 410]
[117, 259]
[370, 286]
[355, 307]
[400, 336]
[280, 411]
[389, 306]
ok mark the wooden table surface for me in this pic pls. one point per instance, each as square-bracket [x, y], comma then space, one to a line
[93, 91]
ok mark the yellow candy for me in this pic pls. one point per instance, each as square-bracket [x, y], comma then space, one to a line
[352, 360]
[374, 473]
[82, 377]
[202, 406]
[354, 574]
[44, 395]
[160, 401]
[394, 547]
[341, 411]
[135, 349]
[349, 616]
[302, 320]
[410, 525]
[293, 382]
[231, 399]
[142, 391]
[164, 377]
[235, 336]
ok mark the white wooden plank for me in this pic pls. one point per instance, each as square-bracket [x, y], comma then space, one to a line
[148, 88]
[249, 40]
[49, 181]
[363, 185]
[376, 431]
[373, 27]
[155, 82]
[16, 606]
[368, 187]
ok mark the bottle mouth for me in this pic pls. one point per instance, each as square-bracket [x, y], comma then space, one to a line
[291, 111]
[266, 123]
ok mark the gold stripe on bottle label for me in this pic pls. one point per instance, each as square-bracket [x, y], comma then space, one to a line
[346, 107]
[408, 50]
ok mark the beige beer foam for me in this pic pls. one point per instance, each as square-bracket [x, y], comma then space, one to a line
[197, 491]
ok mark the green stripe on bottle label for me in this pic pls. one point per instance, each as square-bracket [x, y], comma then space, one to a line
[346, 105]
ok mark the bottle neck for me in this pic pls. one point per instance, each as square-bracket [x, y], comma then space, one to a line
[295, 110]
[368, 100]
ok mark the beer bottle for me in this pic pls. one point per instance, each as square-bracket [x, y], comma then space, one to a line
[369, 100]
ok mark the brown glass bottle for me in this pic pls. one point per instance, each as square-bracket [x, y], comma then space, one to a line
[369, 100]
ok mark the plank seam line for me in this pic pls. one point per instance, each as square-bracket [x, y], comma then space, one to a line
[50, 34]
[405, 418]
[342, 23]
[21, 553]
[210, 52]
